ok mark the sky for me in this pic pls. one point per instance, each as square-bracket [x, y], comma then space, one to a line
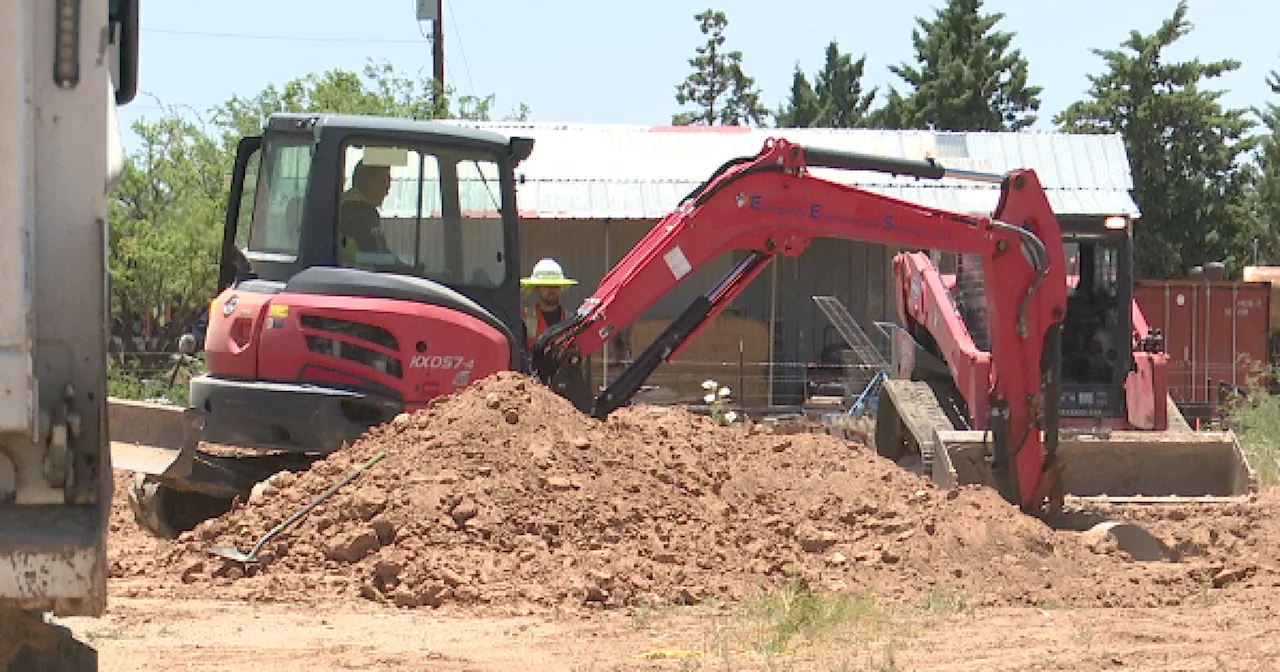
[619, 62]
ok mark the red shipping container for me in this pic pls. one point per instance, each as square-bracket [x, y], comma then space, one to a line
[1214, 331]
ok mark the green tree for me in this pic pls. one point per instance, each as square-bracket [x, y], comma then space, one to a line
[717, 88]
[166, 224]
[965, 77]
[1182, 145]
[837, 100]
[802, 110]
[839, 89]
[1267, 194]
[378, 90]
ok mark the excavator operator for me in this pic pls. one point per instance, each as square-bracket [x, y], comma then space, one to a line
[360, 222]
[549, 281]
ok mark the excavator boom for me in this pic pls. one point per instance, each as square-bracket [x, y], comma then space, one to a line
[773, 204]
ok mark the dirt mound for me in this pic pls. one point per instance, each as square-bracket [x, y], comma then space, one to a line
[505, 495]
[1240, 540]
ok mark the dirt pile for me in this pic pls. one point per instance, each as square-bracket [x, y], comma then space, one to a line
[1239, 539]
[505, 495]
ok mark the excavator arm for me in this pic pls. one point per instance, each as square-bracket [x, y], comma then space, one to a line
[772, 204]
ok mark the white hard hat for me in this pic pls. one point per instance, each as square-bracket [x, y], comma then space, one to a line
[547, 273]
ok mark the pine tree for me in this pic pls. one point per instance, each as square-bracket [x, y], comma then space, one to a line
[802, 110]
[965, 77]
[836, 102]
[839, 90]
[1182, 148]
[717, 87]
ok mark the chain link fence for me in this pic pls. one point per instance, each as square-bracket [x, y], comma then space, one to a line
[160, 377]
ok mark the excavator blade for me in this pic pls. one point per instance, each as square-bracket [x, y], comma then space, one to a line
[1120, 466]
[152, 438]
[176, 485]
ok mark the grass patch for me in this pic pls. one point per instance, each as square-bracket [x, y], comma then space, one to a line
[797, 612]
[154, 378]
[1256, 421]
[946, 601]
[797, 627]
[645, 616]
[108, 633]
[1083, 637]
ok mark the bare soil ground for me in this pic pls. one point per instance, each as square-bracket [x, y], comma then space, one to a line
[210, 635]
[505, 531]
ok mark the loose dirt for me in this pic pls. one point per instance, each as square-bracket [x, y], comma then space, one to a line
[505, 496]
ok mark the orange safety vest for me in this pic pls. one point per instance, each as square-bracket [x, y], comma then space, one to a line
[535, 324]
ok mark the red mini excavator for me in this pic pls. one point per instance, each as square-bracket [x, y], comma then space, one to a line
[331, 320]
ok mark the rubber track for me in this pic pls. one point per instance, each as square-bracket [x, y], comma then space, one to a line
[918, 407]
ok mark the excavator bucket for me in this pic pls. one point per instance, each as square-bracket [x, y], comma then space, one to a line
[1137, 465]
[1116, 466]
[1119, 466]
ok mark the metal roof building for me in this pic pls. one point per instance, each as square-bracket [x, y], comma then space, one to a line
[590, 192]
[598, 171]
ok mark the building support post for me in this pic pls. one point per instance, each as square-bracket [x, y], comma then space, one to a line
[604, 357]
[773, 325]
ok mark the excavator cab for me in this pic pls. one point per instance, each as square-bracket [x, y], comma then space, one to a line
[369, 265]
[388, 196]
[1097, 334]
[1119, 434]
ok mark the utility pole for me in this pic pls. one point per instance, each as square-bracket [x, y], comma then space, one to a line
[437, 41]
[433, 11]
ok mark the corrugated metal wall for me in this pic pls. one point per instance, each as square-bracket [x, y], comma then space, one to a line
[856, 273]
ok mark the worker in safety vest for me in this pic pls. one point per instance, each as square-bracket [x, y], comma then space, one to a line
[359, 220]
[548, 280]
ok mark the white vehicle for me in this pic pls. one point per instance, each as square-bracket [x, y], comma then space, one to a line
[64, 67]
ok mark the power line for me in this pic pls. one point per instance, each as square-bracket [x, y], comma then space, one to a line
[281, 38]
[466, 66]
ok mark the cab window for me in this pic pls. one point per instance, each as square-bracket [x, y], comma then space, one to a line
[405, 209]
[276, 227]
